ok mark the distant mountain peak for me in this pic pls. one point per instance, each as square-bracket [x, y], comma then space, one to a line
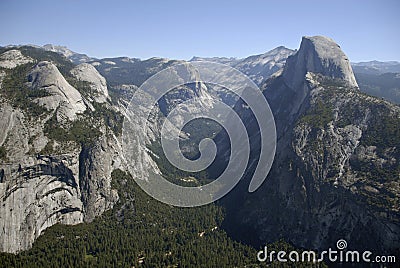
[69, 54]
[279, 48]
[258, 67]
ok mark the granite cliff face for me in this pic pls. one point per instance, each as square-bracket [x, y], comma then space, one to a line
[52, 169]
[336, 170]
[318, 54]
[88, 73]
[61, 95]
[37, 195]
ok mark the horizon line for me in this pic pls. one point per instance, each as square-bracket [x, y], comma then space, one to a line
[194, 56]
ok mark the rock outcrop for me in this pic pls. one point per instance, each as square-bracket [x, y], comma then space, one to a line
[35, 196]
[318, 54]
[13, 58]
[86, 72]
[61, 95]
[44, 190]
[95, 167]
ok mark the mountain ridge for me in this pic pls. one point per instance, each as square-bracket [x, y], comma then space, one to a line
[375, 65]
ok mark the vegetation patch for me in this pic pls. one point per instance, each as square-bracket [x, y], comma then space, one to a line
[81, 131]
[319, 115]
[173, 174]
[15, 89]
[113, 119]
[3, 153]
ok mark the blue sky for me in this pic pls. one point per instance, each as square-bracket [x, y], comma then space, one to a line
[366, 30]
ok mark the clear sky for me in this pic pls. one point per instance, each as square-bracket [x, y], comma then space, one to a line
[366, 30]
